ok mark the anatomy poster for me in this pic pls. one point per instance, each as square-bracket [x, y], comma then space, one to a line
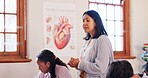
[59, 28]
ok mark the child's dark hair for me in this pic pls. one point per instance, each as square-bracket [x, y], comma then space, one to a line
[120, 69]
[48, 56]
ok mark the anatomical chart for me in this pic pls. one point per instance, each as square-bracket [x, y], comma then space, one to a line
[59, 28]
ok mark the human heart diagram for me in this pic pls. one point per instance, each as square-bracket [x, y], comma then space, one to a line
[61, 32]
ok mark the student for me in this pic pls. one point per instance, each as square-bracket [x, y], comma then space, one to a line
[51, 66]
[97, 53]
[145, 73]
[121, 69]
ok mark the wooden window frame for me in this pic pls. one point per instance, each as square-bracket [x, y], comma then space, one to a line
[19, 56]
[125, 54]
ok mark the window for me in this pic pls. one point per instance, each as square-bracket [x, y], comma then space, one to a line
[115, 17]
[13, 31]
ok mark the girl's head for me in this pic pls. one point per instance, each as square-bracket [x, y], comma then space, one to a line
[120, 69]
[46, 61]
[91, 19]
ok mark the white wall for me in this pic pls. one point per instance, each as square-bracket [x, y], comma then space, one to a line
[139, 25]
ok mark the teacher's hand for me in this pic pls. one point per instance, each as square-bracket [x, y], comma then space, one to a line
[73, 62]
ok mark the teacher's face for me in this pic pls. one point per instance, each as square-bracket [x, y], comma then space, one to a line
[44, 67]
[89, 24]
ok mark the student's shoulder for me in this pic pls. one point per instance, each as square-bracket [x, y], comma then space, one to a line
[61, 68]
[62, 71]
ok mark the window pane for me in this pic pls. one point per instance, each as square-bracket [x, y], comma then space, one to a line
[1, 5]
[101, 1]
[93, 6]
[11, 23]
[10, 4]
[104, 23]
[11, 42]
[116, 1]
[118, 13]
[109, 1]
[102, 11]
[110, 27]
[92, 0]
[1, 23]
[110, 12]
[118, 28]
[112, 39]
[119, 43]
[1, 42]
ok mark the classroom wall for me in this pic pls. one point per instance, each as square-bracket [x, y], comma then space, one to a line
[139, 25]
[35, 37]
